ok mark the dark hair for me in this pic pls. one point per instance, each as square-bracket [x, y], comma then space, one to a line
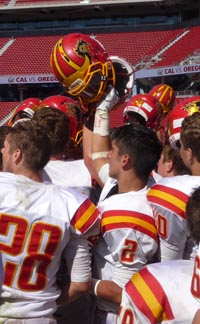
[141, 143]
[33, 142]
[193, 214]
[190, 134]
[56, 124]
[4, 130]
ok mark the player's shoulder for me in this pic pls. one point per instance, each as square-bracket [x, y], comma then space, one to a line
[163, 273]
[7, 177]
[180, 182]
[69, 193]
[165, 268]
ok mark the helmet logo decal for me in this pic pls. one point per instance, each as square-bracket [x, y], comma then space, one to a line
[82, 49]
[192, 107]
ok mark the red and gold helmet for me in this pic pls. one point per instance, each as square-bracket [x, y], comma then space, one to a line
[144, 105]
[185, 108]
[82, 65]
[71, 109]
[24, 109]
[165, 95]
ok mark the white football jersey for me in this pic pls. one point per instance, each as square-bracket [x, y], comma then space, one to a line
[195, 284]
[168, 198]
[37, 225]
[111, 182]
[159, 293]
[69, 173]
[128, 240]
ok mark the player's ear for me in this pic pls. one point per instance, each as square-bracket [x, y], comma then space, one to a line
[17, 156]
[170, 165]
[126, 161]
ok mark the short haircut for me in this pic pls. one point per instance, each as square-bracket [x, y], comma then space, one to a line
[193, 214]
[142, 144]
[190, 134]
[56, 124]
[33, 142]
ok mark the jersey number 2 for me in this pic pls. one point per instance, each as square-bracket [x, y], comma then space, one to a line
[128, 251]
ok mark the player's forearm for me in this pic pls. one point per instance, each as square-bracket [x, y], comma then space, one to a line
[72, 291]
[107, 289]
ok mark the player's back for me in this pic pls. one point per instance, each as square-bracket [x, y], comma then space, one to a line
[69, 173]
[34, 230]
[159, 293]
[168, 197]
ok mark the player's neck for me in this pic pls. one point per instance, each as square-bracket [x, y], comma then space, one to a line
[57, 157]
[130, 184]
[33, 175]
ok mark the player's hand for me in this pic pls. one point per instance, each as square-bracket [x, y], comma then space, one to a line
[110, 100]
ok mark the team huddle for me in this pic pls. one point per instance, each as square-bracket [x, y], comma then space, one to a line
[100, 225]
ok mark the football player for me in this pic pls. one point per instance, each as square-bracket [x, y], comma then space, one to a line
[168, 197]
[53, 114]
[40, 225]
[128, 237]
[159, 293]
[193, 216]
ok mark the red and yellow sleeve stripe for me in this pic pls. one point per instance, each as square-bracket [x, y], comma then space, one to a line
[86, 215]
[149, 297]
[116, 219]
[169, 198]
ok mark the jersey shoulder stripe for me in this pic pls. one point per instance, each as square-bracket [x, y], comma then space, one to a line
[116, 219]
[149, 297]
[85, 216]
[169, 198]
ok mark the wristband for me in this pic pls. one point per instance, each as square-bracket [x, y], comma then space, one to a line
[94, 285]
[98, 155]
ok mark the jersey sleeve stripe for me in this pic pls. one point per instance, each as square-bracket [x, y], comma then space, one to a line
[173, 192]
[146, 299]
[85, 216]
[135, 221]
[168, 201]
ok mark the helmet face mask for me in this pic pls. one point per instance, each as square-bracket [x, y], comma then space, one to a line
[94, 85]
